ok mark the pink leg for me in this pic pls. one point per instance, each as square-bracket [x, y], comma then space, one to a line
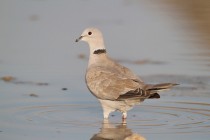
[124, 116]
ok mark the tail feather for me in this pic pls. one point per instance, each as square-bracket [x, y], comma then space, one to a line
[154, 95]
[149, 91]
[160, 87]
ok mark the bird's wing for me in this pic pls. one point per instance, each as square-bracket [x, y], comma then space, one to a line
[107, 83]
[126, 72]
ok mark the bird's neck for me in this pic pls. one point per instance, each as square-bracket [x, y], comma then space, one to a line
[97, 51]
[96, 46]
[97, 56]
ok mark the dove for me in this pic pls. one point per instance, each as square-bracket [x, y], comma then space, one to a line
[115, 86]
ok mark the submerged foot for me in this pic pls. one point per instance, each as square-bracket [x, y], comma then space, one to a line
[124, 116]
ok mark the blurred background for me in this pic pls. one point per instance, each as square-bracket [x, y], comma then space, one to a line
[37, 37]
[169, 38]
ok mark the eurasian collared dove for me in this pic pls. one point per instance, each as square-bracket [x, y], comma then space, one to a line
[115, 86]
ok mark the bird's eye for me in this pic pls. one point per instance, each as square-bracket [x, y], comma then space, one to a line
[89, 33]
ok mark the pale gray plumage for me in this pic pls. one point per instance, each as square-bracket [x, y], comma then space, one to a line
[116, 86]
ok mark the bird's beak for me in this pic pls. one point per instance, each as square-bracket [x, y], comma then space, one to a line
[78, 39]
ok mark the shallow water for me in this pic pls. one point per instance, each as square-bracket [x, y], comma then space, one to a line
[47, 97]
[55, 113]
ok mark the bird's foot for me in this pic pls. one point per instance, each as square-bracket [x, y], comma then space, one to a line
[124, 121]
[124, 116]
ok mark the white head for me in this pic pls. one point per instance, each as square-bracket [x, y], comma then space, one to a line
[94, 38]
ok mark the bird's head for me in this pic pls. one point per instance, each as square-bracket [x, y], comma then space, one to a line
[93, 37]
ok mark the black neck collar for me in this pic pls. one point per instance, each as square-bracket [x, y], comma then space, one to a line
[99, 51]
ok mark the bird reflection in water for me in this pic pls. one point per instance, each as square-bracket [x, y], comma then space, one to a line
[111, 131]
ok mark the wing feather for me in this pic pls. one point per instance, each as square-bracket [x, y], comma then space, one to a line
[107, 84]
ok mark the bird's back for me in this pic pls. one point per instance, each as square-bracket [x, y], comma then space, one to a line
[107, 79]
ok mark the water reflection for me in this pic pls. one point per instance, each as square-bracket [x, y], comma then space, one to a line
[110, 131]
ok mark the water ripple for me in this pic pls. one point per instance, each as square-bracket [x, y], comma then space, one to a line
[180, 117]
[167, 117]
